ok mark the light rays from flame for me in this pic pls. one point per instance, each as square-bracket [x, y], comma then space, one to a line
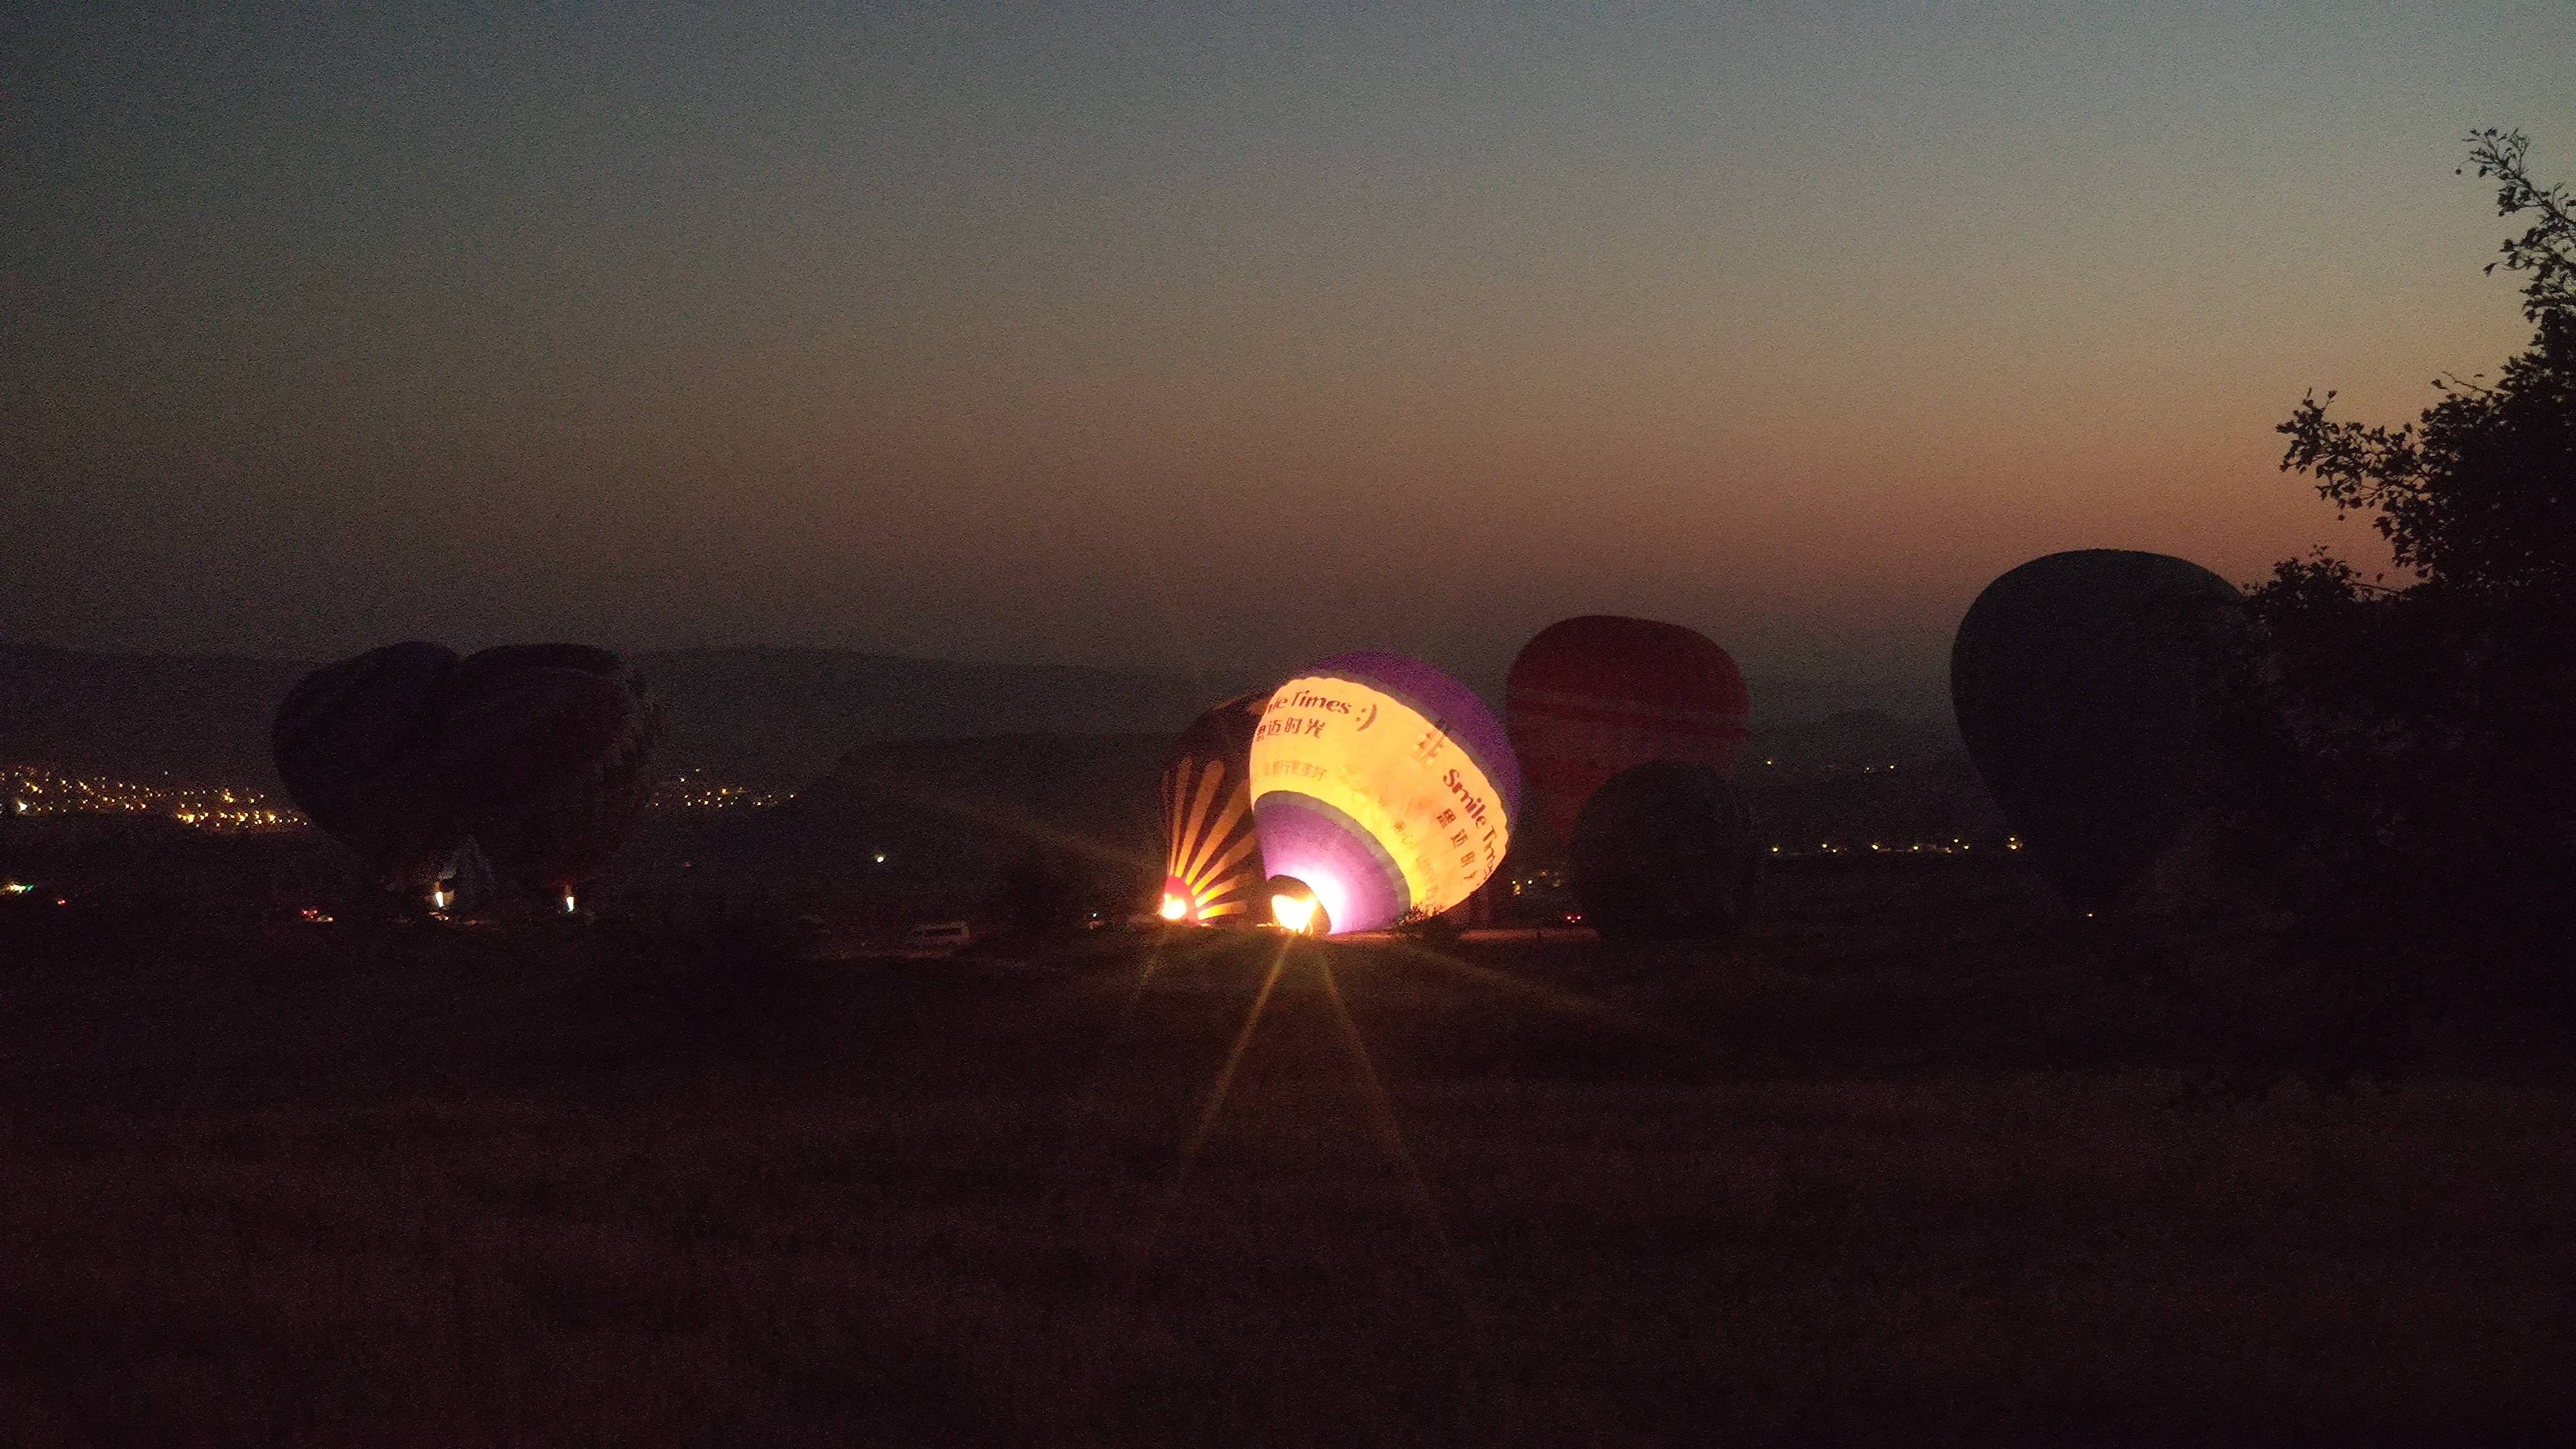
[1141, 1256]
[1475, 1344]
[1389, 1135]
[1568, 1003]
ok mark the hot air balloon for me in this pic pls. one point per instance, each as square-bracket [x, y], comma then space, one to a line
[1664, 849]
[548, 749]
[2084, 685]
[1592, 696]
[1382, 789]
[1212, 858]
[355, 745]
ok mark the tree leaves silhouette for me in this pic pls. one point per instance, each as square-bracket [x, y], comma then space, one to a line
[2409, 752]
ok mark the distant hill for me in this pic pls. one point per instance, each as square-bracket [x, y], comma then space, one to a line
[976, 806]
[785, 716]
[778, 717]
[201, 718]
[1851, 738]
[1788, 700]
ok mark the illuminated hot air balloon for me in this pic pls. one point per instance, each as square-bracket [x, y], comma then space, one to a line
[548, 748]
[2083, 684]
[1212, 860]
[355, 746]
[1592, 696]
[1382, 789]
[1665, 849]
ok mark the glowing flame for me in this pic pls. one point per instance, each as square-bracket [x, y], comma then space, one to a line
[1295, 911]
[1174, 908]
[568, 906]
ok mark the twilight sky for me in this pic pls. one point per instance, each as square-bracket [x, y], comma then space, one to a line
[1196, 336]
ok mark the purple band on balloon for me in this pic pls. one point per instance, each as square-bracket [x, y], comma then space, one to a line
[1360, 886]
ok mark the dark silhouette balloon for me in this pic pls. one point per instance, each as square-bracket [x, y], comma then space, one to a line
[1593, 696]
[548, 748]
[1382, 789]
[2084, 684]
[1664, 850]
[355, 743]
[1212, 854]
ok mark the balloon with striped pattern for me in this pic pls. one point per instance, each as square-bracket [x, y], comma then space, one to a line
[1212, 858]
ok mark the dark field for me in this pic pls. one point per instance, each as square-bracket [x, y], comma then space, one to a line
[1916, 1162]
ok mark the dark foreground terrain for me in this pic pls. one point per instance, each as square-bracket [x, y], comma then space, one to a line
[1914, 1163]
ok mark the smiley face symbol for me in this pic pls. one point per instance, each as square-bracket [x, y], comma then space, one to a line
[1368, 716]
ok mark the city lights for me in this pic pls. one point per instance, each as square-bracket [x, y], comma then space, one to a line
[1948, 845]
[690, 792]
[38, 791]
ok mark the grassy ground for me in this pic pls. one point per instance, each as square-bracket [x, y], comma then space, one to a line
[1905, 1166]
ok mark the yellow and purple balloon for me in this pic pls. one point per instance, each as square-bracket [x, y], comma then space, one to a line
[1382, 790]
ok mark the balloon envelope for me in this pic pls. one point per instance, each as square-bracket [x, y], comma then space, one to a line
[354, 744]
[1664, 849]
[548, 748]
[1212, 854]
[1592, 696]
[1383, 785]
[2084, 686]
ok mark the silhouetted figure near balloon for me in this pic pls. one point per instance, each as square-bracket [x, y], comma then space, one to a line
[2087, 686]
[1664, 850]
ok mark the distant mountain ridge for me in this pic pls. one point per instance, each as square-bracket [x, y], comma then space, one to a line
[786, 716]
[774, 717]
[200, 717]
[777, 717]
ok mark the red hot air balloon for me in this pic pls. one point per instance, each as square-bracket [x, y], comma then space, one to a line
[1212, 860]
[1593, 696]
[355, 744]
[548, 748]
